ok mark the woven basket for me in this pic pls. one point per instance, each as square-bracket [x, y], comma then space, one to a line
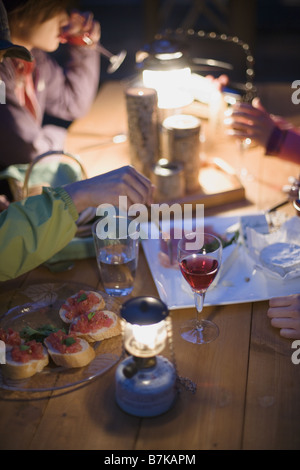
[22, 189]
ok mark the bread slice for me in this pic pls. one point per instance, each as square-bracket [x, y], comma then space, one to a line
[96, 326]
[16, 370]
[81, 302]
[67, 359]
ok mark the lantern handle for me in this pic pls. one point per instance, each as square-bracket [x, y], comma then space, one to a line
[249, 86]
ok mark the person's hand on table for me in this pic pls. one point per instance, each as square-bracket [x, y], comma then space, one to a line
[82, 25]
[251, 121]
[107, 188]
[285, 314]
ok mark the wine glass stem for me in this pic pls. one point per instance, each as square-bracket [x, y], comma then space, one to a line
[103, 51]
[199, 302]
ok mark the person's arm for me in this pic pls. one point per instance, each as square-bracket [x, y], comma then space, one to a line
[71, 90]
[284, 143]
[33, 230]
[277, 136]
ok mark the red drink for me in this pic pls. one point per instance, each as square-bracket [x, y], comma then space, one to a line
[82, 39]
[199, 271]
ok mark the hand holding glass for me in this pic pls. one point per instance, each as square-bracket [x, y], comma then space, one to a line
[83, 31]
[199, 266]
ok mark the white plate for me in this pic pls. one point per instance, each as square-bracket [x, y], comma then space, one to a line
[240, 282]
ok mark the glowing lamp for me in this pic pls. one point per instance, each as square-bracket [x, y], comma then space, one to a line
[145, 381]
[166, 69]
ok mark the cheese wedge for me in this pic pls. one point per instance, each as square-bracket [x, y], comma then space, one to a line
[281, 257]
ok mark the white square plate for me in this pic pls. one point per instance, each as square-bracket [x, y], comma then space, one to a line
[239, 281]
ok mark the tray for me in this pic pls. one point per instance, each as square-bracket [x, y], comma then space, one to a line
[239, 280]
[38, 304]
[217, 174]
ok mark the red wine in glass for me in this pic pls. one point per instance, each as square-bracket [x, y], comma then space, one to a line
[199, 271]
[199, 266]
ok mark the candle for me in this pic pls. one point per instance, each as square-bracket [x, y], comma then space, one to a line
[141, 104]
[181, 133]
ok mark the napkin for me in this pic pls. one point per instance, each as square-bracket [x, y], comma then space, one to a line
[265, 250]
[78, 248]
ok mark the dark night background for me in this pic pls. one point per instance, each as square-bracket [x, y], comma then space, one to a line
[270, 27]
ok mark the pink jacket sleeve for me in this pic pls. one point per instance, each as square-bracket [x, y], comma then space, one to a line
[290, 149]
[285, 143]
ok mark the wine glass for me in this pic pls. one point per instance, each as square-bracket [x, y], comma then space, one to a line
[244, 145]
[115, 60]
[244, 142]
[83, 39]
[199, 264]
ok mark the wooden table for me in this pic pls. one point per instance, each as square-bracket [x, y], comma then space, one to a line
[247, 386]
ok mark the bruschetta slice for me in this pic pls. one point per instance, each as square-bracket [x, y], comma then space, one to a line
[96, 326]
[81, 302]
[25, 360]
[10, 337]
[68, 350]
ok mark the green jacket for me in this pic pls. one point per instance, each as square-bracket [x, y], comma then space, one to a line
[33, 230]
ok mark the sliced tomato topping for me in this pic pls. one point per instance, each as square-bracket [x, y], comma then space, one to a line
[10, 337]
[82, 302]
[93, 321]
[27, 352]
[64, 343]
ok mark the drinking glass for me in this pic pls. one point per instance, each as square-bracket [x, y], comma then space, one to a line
[244, 145]
[117, 255]
[83, 39]
[199, 266]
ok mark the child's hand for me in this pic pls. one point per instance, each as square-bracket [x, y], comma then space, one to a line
[251, 121]
[82, 30]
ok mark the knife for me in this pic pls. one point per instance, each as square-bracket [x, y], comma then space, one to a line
[280, 204]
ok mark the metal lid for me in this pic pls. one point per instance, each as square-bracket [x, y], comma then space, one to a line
[162, 54]
[144, 310]
[166, 168]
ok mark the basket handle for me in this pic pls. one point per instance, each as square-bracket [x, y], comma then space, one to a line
[37, 159]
